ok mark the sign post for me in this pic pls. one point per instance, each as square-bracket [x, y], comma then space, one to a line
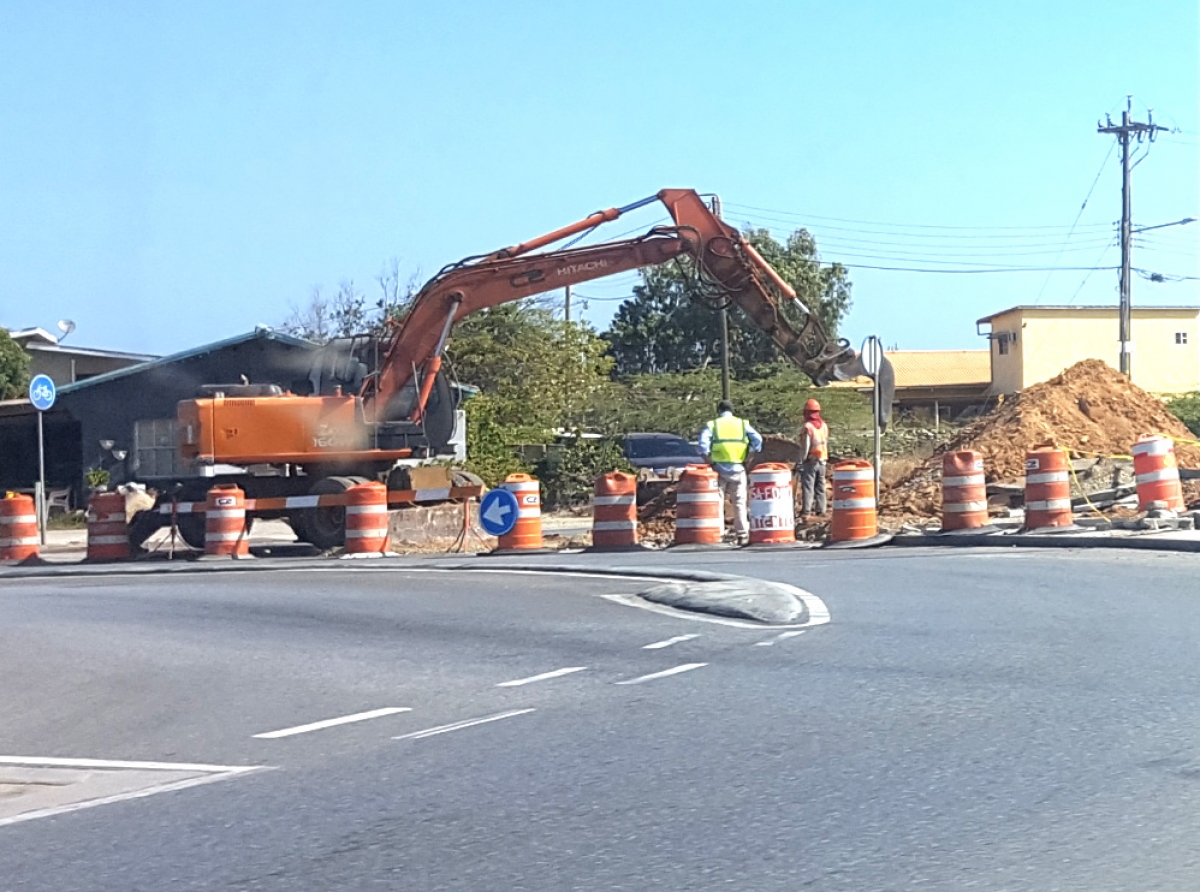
[42, 394]
[872, 360]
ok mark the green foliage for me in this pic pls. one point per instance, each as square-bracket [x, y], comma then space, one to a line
[540, 373]
[14, 368]
[96, 478]
[489, 443]
[668, 327]
[1186, 407]
[569, 474]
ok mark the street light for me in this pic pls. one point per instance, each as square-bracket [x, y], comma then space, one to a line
[1125, 311]
[1182, 222]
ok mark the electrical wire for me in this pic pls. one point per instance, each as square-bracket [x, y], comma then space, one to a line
[794, 215]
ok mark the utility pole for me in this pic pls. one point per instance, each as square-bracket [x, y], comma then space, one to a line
[567, 302]
[1125, 132]
[716, 209]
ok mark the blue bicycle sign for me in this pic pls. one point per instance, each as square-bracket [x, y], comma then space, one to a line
[42, 392]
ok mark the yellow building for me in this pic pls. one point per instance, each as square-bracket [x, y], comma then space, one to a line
[1033, 344]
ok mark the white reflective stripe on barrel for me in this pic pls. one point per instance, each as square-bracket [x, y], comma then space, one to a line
[698, 497]
[527, 513]
[223, 513]
[372, 533]
[19, 518]
[972, 480]
[1157, 446]
[1048, 477]
[605, 526]
[11, 543]
[868, 474]
[1157, 476]
[1049, 505]
[771, 507]
[604, 501]
[107, 540]
[224, 537]
[779, 478]
[963, 507]
[692, 523]
[853, 503]
[366, 509]
[532, 486]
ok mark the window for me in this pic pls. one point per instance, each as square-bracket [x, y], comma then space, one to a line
[1181, 337]
[1002, 345]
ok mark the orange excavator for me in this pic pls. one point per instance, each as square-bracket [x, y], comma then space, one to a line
[372, 402]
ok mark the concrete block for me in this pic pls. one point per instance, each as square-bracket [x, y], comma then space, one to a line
[420, 525]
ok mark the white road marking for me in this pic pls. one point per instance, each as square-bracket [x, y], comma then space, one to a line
[330, 723]
[686, 667]
[782, 636]
[668, 642]
[211, 774]
[516, 683]
[458, 726]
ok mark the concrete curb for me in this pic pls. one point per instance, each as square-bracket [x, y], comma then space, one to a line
[873, 542]
[1153, 542]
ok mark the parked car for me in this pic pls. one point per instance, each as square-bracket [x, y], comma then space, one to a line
[660, 458]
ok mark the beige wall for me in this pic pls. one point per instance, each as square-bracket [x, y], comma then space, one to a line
[1049, 341]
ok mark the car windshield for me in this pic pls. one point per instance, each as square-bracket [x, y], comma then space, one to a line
[653, 447]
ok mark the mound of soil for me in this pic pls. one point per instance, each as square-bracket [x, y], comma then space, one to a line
[1090, 410]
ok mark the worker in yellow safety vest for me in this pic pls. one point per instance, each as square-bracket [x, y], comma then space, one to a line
[814, 449]
[727, 440]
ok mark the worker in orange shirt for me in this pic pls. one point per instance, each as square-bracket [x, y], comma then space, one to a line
[814, 447]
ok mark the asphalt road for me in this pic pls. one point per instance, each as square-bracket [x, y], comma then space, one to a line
[968, 720]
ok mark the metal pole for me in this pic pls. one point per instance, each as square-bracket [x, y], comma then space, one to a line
[1126, 246]
[875, 412]
[567, 303]
[724, 353]
[41, 487]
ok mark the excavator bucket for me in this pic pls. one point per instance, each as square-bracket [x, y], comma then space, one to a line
[853, 368]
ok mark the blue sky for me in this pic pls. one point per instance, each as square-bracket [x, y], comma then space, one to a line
[177, 172]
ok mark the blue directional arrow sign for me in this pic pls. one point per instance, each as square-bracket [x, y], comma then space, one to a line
[498, 512]
[41, 392]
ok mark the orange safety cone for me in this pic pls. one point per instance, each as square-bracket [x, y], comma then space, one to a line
[19, 537]
[772, 505]
[854, 515]
[614, 511]
[107, 532]
[699, 507]
[225, 533]
[526, 534]
[1047, 489]
[1157, 474]
[366, 518]
[964, 491]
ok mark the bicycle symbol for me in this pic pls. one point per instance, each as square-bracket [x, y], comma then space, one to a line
[42, 393]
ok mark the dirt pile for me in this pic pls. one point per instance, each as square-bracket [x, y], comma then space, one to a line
[1090, 409]
[777, 449]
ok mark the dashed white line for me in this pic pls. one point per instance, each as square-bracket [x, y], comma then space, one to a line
[516, 683]
[782, 636]
[668, 642]
[458, 726]
[686, 667]
[330, 723]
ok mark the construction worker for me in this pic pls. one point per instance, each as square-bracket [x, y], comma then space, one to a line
[726, 441]
[814, 447]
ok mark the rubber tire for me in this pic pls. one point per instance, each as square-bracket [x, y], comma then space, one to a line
[325, 527]
[191, 530]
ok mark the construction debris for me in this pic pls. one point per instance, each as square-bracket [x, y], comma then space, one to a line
[1090, 409]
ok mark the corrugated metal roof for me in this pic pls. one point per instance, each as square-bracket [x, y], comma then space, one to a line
[935, 368]
[1137, 308]
[268, 334]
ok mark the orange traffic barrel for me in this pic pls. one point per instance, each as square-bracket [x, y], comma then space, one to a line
[107, 532]
[614, 511]
[18, 528]
[854, 514]
[964, 491]
[527, 531]
[1047, 489]
[225, 533]
[772, 505]
[699, 507]
[1157, 474]
[366, 518]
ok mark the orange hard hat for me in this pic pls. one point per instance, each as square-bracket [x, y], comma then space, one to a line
[812, 406]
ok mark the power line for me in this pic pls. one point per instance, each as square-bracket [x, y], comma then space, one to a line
[792, 214]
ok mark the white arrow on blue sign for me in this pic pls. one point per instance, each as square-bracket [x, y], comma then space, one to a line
[498, 512]
[42, 392]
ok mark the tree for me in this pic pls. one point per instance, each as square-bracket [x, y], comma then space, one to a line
[348, 311]
[14, 368]
[670, 326]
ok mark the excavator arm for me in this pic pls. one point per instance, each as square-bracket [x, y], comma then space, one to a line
[729, 268]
